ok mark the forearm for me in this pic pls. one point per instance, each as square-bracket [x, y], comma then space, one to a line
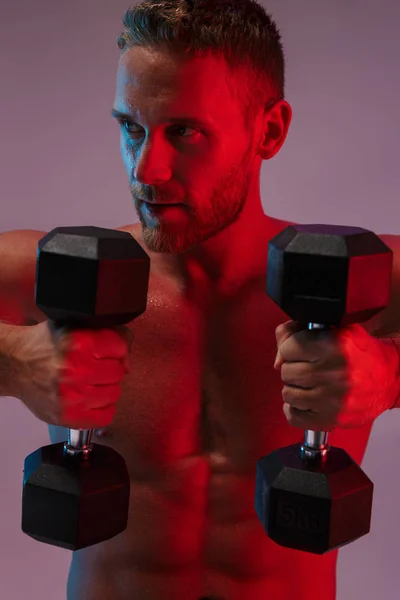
[393, 343]
[8, 339]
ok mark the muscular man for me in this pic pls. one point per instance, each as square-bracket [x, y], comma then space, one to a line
[202, 401]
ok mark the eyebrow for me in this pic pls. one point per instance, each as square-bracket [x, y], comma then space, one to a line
[116, 114]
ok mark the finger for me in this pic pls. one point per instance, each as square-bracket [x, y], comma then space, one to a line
[101, 396]
[302, 399]
[309, 346]
[305, 375]
[279, 361]
[101, 343]
[127, 335]
[94, 419]
[286, 330]
[110, 344]
[316, 401]
[282, 333]
[94, 372]
[88, 397]
[307, 419]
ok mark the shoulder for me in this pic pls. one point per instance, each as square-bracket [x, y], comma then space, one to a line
[160, 283]
[387, 323]
[393, 242]
[136, 232]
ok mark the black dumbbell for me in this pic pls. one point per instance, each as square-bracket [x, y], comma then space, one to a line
[308, 496]
[76, 494]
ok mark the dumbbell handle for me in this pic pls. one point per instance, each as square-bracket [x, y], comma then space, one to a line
[315, 442]
[315, 445]
[79, 443]
[79, 440]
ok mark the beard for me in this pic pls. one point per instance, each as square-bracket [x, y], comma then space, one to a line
[203, 222]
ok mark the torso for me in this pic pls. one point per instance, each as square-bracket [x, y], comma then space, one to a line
[200, 408]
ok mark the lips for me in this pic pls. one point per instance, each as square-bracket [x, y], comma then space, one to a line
[163, 203]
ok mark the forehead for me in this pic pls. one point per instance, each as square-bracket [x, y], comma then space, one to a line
[157, 80]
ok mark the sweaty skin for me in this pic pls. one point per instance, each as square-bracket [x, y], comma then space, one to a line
[200, 407]
[202, 403]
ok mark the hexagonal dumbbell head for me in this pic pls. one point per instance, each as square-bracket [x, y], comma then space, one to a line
[332, 276]
[94, 278]
[91, 276]
[329, 274]
[74, 503]
[313, 508]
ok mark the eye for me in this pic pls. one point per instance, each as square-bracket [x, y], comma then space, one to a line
[129, 127]
[126, 125]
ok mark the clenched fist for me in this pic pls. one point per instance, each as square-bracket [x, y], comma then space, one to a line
[70, 378]
[335, 378]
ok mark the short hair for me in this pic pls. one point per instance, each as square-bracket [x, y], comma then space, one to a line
[240, 31]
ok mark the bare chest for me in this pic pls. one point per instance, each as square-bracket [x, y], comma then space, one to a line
[200, 408]
[203, 386]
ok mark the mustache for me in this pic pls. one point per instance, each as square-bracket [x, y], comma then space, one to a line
[138, 196]
[141, 196]
[152, 198]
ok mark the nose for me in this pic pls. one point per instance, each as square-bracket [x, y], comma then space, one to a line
[152, 164]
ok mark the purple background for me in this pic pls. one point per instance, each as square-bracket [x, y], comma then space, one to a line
[60, 165]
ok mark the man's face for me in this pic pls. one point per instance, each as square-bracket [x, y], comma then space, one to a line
[204, 168]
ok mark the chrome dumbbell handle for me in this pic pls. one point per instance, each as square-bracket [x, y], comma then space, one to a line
[79, 442]
[315, 446]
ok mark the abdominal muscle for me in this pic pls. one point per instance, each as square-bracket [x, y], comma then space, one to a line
[193, 534]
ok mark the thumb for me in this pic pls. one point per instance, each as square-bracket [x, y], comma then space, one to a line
[282, 333]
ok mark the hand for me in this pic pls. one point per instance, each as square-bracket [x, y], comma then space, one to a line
[71, 378]
[335, 378]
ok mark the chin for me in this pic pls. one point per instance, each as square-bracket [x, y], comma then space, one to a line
[168, 241]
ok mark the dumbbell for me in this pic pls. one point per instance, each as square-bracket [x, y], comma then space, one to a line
[309, 496]
[76, 494]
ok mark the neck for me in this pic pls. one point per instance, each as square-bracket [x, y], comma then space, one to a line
[227, 260]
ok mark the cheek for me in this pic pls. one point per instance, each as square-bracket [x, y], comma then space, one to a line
[126, 155]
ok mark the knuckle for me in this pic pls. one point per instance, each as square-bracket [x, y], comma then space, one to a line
[284, 371]
[289, 414]
[288, 374]
[287, 395]
[280, 330]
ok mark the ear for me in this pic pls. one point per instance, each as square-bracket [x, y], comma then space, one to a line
[276, 123]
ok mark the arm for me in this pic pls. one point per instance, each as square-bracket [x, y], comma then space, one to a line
[7, 363]
[17, 302]
[17, 277]
[386, 325]
[396, 343]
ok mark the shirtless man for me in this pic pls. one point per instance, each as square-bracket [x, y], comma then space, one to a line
[202, 401]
